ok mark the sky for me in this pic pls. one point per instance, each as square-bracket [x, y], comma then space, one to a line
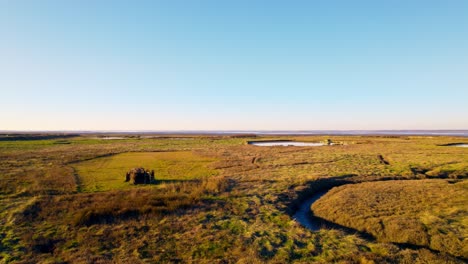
[233, 65]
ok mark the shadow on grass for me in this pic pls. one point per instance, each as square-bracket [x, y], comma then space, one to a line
[320, 187]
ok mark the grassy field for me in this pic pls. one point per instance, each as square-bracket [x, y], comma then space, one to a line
[219, 200]
[108, 173]
[430, 213]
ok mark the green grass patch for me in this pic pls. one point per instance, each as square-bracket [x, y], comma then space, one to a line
[108, 173]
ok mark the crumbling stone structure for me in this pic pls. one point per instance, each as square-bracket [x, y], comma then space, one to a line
[140, 176]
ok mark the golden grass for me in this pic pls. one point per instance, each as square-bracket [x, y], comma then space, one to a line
[429, 213]
[240, 215]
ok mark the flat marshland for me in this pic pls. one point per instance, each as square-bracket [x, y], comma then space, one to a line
[217, 199]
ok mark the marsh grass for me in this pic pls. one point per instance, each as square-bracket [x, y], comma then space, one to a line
[218, 200]
[108, 173]
[425, 212]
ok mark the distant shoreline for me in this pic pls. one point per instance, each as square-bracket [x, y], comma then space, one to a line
[462, 133]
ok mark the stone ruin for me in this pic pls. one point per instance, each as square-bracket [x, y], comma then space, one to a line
[140, 176]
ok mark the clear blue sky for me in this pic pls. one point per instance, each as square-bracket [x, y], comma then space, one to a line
[163, 65]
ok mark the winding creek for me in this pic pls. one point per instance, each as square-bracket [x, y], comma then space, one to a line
[304, 214]
[305, 217]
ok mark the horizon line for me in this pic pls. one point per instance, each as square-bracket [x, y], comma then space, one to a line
[428, 132]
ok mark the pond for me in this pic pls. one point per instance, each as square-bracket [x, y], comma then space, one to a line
[110, 138]
[285, 143]
[460, 145]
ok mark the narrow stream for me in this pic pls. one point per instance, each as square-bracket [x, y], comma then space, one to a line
[304, 215]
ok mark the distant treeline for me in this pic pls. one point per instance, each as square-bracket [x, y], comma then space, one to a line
[13, 137]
